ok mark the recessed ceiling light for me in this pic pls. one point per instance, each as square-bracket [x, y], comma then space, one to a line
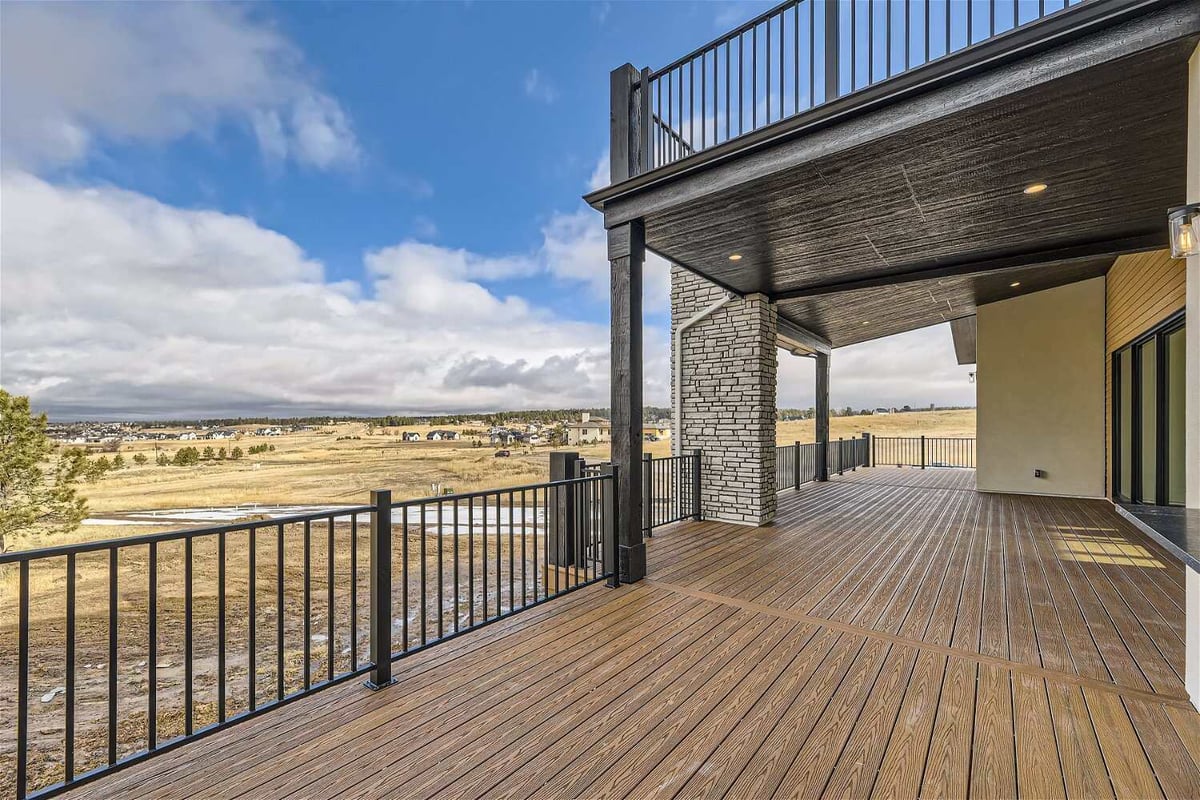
[1035, 188]
[1015, 284]
[735, 257]
[866, 322]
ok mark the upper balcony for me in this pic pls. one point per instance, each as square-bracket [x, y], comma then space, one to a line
[845, 148]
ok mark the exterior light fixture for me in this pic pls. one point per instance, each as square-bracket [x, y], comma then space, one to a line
[735, 257]
[1035, 188]
[866, 322]
[1183, 223]
[1015, 284]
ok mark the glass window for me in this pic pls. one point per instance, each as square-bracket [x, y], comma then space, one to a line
[1175, 419]
[1146, 410]
[1125, 425]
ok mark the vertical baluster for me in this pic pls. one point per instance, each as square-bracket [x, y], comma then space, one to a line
[307, 604]
[728, 107]
[112, 655]
[23, 680]
[870, 42]
[691, 138]
[152, 647]
[741, 82]
[524, 563]
[454, 521]
[353, 592]
[483, 554]
[331, 601]
[947, 52]
[511, 548]
[754, 78]
[703, 101]
[925, 54]
[782, 82]
[280, 688]
[536, 582]
[69, 733]
[441, 600]
[768, 71]
[853, 44]
[404, 574]
[424, 593]
[221, 626]
[499, 568]
[471, 561]
[796, 59]
[252, 621]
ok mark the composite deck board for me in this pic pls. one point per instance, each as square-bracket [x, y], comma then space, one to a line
[893, 634]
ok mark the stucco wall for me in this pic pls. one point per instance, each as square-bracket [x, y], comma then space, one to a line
[1040, 392]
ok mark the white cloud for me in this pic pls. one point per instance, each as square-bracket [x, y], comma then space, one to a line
[75, 76]
[915, 368]
[600, 175]
[539, 87]
[114, 303]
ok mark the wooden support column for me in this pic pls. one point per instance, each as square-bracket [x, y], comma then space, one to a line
[626, 253]
[822, 420]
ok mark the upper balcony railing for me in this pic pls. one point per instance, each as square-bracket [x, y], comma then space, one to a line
[795, 58]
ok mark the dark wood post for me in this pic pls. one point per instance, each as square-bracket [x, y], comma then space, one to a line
[560, 544]
[868, 450]
[626, 253]
[625, 150]
[648, 494]
[822, 421]
[381, 589]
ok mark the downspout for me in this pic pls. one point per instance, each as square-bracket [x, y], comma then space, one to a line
[677, 439]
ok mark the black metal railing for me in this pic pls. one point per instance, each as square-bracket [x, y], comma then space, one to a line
[670, 490]
[796, 464]
[923, 451]
[803, 54]
[136, 645]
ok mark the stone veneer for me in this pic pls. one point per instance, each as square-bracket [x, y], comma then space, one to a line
[729, 377]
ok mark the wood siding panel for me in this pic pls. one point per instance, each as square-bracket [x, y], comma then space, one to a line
[1142, 289]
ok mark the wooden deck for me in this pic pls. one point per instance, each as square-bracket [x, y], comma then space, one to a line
[895, 634]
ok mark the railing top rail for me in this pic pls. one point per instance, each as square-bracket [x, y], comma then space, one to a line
[57, 551]
[449, 498]
[723, 38]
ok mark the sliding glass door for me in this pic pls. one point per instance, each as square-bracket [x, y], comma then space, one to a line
[1148, 418]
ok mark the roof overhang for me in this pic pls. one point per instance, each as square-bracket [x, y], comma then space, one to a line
[909, 211]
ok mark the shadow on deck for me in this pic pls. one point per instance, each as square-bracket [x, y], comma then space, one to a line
[894, 633]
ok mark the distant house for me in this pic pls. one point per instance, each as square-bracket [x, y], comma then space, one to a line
[441, 435]
[588, 431]
[882, 411]
[220, 435]
[269, 432]
[658, 430]
[410, 436]
[502, 436]
[187, 437]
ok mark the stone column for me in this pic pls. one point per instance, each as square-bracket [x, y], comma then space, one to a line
[728, 381]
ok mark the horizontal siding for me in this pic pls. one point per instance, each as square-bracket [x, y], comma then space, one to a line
[1142, 290]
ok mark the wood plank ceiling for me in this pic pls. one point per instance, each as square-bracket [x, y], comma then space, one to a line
[947, 196]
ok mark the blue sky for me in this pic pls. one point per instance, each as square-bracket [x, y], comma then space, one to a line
[213, 209]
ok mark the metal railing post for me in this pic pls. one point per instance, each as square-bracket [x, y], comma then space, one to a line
[796, 465]
[840, 451]
[922, 451]
[697, 513]
[612, 512]
[832, 41]
[870, 454]
[381, 589]
[648, 494]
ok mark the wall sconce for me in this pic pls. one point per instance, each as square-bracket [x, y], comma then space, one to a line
[1183, 223]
